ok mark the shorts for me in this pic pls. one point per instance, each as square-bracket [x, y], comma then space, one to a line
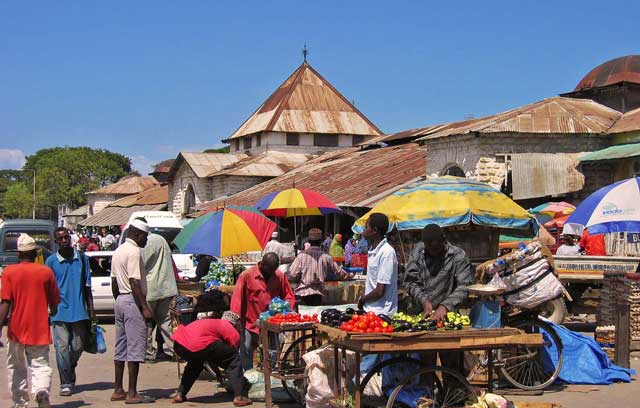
[131, 331]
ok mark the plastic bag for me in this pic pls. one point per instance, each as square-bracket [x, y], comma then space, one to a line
[101, 344]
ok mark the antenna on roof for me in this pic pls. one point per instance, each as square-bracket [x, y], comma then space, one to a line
[305, 52]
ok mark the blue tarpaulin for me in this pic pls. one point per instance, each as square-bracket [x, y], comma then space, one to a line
[583, 361]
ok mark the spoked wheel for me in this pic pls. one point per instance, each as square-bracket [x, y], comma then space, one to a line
[438, 387]
[531, 367]
[292, 360]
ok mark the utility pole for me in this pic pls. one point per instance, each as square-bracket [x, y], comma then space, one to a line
[34, 193]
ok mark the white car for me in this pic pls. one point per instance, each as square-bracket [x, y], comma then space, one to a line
[100, 264]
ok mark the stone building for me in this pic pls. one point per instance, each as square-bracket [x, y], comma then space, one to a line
[305, 116]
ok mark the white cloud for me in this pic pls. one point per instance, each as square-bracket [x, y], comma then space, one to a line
[142, 164]
[11, 159]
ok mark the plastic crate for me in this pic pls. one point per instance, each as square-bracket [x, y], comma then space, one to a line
[358, 261]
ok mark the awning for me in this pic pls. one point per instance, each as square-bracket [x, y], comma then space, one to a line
[613, 152]
[545, 174]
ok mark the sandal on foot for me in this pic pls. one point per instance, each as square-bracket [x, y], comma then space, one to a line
[143, 399]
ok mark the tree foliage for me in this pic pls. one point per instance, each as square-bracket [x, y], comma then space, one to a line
[65, 174]
[224, 149]
[18, 201]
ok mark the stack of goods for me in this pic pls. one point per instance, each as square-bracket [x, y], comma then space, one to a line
[606, 338]
[525, 274]
[292, 318]
[452, 321]
[367, 323]
[242, 258]
[277, 306]
[218, 275]
[624, 289]
[611, 283]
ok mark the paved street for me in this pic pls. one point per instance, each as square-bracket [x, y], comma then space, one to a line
[95, 382]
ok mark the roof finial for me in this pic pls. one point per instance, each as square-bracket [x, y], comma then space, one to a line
[305, 52]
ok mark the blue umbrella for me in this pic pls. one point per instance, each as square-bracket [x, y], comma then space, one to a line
[614, 208]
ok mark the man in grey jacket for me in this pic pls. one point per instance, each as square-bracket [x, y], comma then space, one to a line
[437, 277]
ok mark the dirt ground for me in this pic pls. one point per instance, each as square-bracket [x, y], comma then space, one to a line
[95, 382]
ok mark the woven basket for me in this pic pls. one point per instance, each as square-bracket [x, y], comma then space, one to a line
[192, 289]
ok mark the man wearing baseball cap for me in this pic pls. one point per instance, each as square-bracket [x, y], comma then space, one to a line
[30, 291]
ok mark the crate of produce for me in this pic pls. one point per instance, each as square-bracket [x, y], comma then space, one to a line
[192, 289]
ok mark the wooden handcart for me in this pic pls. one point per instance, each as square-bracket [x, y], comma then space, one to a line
[282, 349]
[402, 343]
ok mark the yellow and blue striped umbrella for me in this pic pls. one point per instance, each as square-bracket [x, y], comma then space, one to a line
[450, 201]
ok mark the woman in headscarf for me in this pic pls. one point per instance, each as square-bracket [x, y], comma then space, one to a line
[336, 249]
[349, 248]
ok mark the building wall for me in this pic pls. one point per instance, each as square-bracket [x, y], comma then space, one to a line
[179, 184]
[98, 201]
[278, 141]
[225, 186]
[466, 150]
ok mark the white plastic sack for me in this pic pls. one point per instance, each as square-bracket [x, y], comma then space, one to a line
[542, 290]
[320, 375]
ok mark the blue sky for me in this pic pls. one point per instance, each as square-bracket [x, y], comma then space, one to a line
[151, 78]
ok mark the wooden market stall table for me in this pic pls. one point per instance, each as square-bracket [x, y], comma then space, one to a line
[426, 341]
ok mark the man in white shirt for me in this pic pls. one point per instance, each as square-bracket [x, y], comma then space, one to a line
[381, 288]
[131, 310]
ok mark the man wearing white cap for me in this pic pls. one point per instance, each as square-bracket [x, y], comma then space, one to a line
[571, 234]
[30, 291]
[132, 312]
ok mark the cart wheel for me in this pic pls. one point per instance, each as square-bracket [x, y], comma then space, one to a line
[530, 367]
[292, 358]
[439, 387]
[392, 361]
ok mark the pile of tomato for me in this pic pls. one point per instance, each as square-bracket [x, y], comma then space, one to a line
[366, 323]
[281, 318]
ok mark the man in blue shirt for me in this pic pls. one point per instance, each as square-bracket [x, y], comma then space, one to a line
[70, 324]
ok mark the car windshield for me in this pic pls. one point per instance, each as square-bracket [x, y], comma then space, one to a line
[10, 243]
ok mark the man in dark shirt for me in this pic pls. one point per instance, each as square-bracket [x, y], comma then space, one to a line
[437, 277]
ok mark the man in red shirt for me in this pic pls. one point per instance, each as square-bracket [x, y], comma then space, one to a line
[213, 341]
[30, 291]
[593, 244]
[253, 292]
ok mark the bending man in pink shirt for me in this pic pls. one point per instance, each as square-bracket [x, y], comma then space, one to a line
[214, 341]
[253, 292]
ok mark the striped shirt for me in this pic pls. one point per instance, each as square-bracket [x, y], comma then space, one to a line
[313, 266]
[441, 281]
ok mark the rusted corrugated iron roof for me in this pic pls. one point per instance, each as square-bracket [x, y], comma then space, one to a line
[118, 215]
[307, 103]
[551, 115]
[267, 164]
[204, 164]
[128, 185]
[628, 122]
[621, 69]
[349, 177]
[153, 195]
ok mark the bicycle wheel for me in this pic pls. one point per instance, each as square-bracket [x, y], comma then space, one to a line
[292, 359]
[438, 387]
[531, 367]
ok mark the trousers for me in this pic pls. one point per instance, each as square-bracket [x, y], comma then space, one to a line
[219, 354]
[248, 344]
[161, 316]
[68, 340]
[20, 359]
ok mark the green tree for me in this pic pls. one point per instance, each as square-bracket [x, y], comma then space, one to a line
[65, 174]
[224, 149]
[17, 201]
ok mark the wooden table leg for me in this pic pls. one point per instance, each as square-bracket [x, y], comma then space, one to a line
[266, 367]
[336, 366]
[490, 370]
[358, 396]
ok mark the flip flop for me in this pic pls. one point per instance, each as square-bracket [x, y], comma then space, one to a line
[144, 399]
[121, 397]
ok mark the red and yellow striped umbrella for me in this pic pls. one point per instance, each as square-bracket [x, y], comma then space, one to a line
[294, 202]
